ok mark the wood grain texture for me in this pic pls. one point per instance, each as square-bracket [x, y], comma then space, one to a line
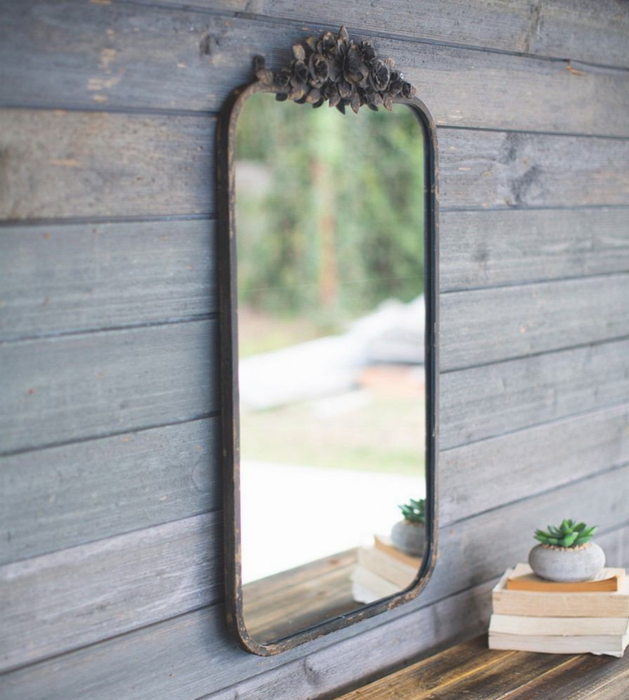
[489, 676]
[87, 491]
[191, 655]
[494, 248]
[491, 325]
[338, 671]
[470, 670]
[284, 604]
[83, 594]
[135, 378]
[495, 170]
[57, 164]
[90, 164]
[122, 56]
[528, 462]
[196, 663]
[341, 665]
[105, 588]
[78, 277]
[60, 497]
[582, 29]
[58, 390]
[492, 400]
[75, 277]
[585, 677]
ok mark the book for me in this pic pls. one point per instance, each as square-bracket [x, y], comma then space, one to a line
[608, 644]
[559, 604]
[368, 587]
[384, 544]
[382, 571]
[559, 626]
[523, 579]
[388, 567]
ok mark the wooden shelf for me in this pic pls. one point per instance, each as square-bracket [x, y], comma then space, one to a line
[290, 601]
[473, 672]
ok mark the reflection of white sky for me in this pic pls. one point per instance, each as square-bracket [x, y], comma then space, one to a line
[292, 515]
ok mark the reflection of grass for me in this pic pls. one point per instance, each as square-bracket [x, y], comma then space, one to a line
[386, 434]
[260, 332]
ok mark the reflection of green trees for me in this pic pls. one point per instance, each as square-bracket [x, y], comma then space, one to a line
[340, 224]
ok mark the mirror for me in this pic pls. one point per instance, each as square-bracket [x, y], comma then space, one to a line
[332, 308]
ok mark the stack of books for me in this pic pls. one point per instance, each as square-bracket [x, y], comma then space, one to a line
[382, 571]
[532, 614]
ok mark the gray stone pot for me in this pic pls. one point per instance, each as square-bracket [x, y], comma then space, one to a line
[568, 564]
[409, 537]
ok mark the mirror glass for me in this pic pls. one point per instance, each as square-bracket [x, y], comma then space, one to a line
[330, 229]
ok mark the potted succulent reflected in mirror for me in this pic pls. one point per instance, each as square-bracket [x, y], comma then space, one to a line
[409, 534]
[566, 553]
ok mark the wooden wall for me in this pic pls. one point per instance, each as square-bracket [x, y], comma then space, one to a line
[110, 510]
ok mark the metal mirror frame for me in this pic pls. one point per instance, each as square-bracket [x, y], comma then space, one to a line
[230, 424]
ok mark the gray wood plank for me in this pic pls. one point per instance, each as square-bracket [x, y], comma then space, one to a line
[493, 169]
[490, 325]
[195, 662]
[87, 491]
[84, 277]
[83, 594]
[491, 473]
[588, 30]
[191, 655]
[494, 248]
[348, 664]
[90, 164]
[139, 378]
[123, 56]
[59, 390]
[61, 497]
[78, 277]
[492, 400]
[98, 164]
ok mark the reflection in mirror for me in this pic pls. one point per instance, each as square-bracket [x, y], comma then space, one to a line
[330, 215]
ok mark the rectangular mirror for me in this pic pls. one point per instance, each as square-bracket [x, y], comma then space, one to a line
[328, 292]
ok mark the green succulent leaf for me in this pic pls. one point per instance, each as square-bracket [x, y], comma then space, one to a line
[569, 540]
[414, 511]
[569, 534]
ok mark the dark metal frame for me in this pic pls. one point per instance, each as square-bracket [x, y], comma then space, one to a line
[228, 297]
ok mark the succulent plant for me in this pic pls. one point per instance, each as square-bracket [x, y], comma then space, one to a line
[414, 511]
[339, 70]
[568, 534]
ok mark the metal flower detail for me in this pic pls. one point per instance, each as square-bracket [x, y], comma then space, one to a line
[339, 70]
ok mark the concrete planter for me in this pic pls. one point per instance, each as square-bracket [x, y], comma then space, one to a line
[567, 564]
[409, 537]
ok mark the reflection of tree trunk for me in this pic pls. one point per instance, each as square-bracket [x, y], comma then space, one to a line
[325, 224]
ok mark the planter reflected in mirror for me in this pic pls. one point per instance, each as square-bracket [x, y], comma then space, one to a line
[328, 313]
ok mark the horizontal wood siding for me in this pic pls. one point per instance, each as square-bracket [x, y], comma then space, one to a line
[103, 164]
[117, 55]
[110, 457]
[57, 390]
[189, 656]
[482, 249]
[97, 488]
[562, 29]
[64, 278]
